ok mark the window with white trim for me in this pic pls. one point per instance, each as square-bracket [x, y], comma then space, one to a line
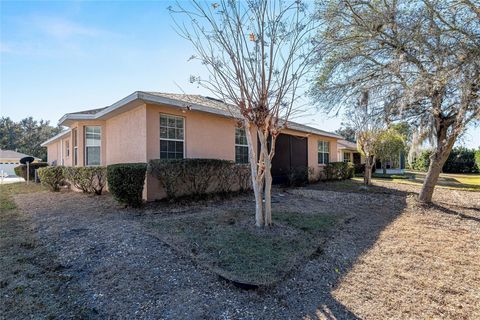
[323, 152]
[172, 137]
[75, 147]
[347, 157]
[93, 136]
[241, 146]
[67, 148]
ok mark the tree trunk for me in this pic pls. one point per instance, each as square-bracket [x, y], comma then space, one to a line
[444, 145]
[384, 167]
[257, 183]
[437, 160]
[367, 175]
[268, 192]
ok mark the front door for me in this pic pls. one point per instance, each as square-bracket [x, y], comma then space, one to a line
[290, 154]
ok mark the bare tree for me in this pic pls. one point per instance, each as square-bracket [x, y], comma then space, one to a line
[368, 128]
[256, 53]
[420, 61]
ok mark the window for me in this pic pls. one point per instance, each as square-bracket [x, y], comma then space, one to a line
[171, 137]
[67, 148]
[347, 157]
[75, 147]
[323, 152]
[92, 145]
[241, 146]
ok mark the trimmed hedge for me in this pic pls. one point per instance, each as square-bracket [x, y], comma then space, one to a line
[87, 179]
[21, 170]
[339, 171]
[125, 182]
[52, 177]
[197, 177]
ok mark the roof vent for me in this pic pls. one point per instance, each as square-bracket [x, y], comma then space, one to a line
[214, 99]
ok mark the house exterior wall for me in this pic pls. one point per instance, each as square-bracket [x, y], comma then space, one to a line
[134, 136]
[125, 136]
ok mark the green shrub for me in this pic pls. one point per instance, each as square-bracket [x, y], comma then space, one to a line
[125, 182]
[197, 177]
[460, 160]
[21, 170]
[339, 171]
[87, 179]
[297, 176]
[52, 177]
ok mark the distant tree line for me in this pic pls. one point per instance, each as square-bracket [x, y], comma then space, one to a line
[460, 160]
[26, 135]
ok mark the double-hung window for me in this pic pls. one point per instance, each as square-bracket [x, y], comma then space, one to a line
[172, 137]
[93, 135]
[347, 157]
[323, 152]
[241, 146]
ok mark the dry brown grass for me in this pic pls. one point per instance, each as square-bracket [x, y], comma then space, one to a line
[424, 265]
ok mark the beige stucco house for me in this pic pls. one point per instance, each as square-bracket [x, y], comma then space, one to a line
[9, 159]
[348, 152]
[152, 125]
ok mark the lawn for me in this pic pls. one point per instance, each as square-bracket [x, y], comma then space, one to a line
[468, 182]
[232, 247]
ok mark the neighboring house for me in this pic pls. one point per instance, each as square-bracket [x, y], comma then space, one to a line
[10, 159]
[151, 125]
[348, 152]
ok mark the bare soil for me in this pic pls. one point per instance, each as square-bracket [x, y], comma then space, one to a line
[390, 259]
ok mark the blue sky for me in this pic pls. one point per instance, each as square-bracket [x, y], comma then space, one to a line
[65, 56]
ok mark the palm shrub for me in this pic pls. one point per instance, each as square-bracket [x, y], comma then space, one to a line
[52, 177]
[126, 181]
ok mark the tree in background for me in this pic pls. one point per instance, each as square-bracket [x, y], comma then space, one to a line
[346, 131]
[26, 135]
[368, 128]
[256, 53]
[389, 146]
[419, 60]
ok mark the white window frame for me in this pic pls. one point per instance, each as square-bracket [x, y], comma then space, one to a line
[240, 145]
[350, 156]
[75, 146]
[323, 143]
[169, 139]
[86, 146]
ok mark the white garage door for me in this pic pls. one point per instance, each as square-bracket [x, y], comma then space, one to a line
[7, 168]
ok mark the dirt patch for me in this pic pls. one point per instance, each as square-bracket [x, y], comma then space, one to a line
[119, 270]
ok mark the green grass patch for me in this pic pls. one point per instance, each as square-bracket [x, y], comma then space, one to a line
[393, 176]
[231, 246]
[8, 190]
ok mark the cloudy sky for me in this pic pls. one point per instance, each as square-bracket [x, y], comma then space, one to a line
[65, 56]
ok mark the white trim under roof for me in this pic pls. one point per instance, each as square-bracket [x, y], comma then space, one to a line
[56, 137]
[128, 102]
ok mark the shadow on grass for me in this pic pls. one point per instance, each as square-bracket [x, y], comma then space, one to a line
[456, 213]
[302, 261]
[373, 209]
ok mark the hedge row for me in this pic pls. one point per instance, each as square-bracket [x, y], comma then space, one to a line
[339, 170]
[87, 179]
[52, 177]
[125, 182]
[460, 160]
[197, 177]
[21, 170]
